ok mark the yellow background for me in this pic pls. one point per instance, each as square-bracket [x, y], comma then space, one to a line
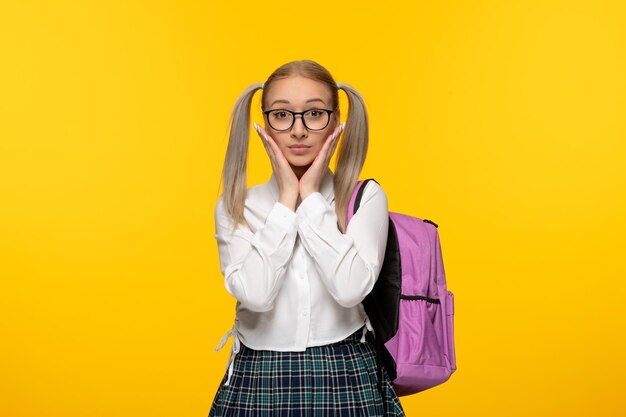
[503, 122]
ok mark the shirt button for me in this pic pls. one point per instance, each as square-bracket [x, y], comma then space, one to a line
[304, 314]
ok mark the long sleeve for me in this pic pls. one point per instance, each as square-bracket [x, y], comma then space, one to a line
[254, 265]
[348, 263]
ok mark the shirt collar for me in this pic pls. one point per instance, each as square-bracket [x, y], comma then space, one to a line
[327, 187]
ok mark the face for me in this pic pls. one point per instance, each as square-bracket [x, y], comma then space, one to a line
[300, 145]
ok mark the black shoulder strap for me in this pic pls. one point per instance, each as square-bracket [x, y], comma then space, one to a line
[359, 194]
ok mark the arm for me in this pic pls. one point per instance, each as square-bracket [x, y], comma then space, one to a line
[348, 263]
[254, 265]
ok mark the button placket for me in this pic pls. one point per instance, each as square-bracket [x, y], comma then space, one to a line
[302, 332]
[302, 265]
[303, 275]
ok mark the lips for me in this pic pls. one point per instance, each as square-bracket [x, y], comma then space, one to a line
[299, 149]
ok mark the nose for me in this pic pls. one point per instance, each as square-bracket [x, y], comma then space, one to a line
[298, 130]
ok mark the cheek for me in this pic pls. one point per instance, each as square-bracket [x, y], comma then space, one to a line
[318, 147]
[281, 140]
[322, 139]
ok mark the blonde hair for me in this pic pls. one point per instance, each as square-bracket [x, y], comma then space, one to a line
[350, 155]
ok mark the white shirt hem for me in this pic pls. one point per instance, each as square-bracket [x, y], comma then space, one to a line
[310, 344]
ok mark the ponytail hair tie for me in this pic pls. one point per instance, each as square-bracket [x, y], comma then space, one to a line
[262, 85]
[338, 85]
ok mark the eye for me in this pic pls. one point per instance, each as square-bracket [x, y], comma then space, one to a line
[314, 113]
[280, 114]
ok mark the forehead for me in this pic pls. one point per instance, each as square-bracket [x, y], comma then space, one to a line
[296, 92]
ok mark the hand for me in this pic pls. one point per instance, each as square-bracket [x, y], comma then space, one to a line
[285, 177]
[311, 180]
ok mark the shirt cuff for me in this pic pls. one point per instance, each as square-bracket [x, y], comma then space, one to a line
[313, 204]
[282, 215]
[279, 232]
[317, 222]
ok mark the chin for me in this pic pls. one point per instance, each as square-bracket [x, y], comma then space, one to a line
[300, 163]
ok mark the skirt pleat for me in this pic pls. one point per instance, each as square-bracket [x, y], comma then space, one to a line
[342, 379]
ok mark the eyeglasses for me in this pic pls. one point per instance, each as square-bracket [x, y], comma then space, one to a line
[283, 120]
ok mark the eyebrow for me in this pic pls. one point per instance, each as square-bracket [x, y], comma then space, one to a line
[287, 101]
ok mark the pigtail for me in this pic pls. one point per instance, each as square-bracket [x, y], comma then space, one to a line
[351, 154]
[234, 172]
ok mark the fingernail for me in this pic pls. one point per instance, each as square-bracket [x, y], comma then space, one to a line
[256, 127]
[343, 125]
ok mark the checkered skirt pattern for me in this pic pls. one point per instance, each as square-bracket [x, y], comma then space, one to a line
[342, 379]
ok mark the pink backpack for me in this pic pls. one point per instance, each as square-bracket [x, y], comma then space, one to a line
[410, 307]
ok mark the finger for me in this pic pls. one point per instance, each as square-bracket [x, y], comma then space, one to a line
[267, 142]
[277, 155]
[331, 152]
[271, 144]
[268, 149]
[338, 130]
[329, 145]
[260, 133]
[329, 140]
[334, 142]
[322, 155]
[341, 128]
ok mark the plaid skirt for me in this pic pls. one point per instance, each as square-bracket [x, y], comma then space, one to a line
[342, 379]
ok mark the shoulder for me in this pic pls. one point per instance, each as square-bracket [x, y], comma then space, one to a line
[255, 195]
[258, 193]
[371, 196]
[222, 217]
[257, 205]
[373, 191]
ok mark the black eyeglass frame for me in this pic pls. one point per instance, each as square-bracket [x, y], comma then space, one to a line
[294, 114]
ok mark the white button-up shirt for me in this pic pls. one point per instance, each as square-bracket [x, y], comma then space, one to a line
[298, 280]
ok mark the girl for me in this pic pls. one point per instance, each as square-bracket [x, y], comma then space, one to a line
[297, 270]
